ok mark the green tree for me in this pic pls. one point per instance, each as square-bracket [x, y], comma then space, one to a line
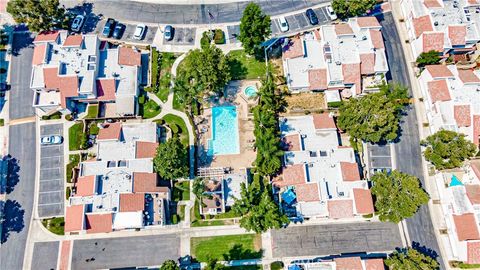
[254, 28]
[410, 259]
[258, 210]
[171, 160]
[39, 15]
[169, 265]
[397, 195]
[269, 153]
[447, 149]
[352, 8]
[198, 187]
[428, 58]
[212, 264]
[374, 117]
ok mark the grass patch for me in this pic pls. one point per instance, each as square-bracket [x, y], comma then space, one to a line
[181, 191]
[150, 109]
[181, 212]
[93, 128]
[177, 103]
[2, 122]
[53, 116]
[229, 214]
[227, 247]
[173, 120]
[207, 223]
[74, 160]
[243, 66]
[164, 87]
[92, 111]
[75, 136]
[154, 73]
[54, 225]
[161, 74]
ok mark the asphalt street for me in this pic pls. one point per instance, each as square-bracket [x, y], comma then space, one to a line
[21, 147]
[188, 14]
[407, 150]
[125, 251]
[335, 239]
[45, 255]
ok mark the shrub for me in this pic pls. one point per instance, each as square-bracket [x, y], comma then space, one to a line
[174, 219]
[219, 36]
[278, 265]
[368, 216]
[205, 40]
[334, 104]
[68, 117]
[2, 122]
[141, 99]
[68, 193]
[160, 121]
[174, 128]
[94, 129]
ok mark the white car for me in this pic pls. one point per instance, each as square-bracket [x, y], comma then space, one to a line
[139, 31]
[77, 23]
[283, 24]
[331, 13]
[54, 139]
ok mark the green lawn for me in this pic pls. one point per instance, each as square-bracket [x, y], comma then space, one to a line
[164, 87]
[228, 247]
[74, 160]
[75, 134]
[177, 103]
[181, 212]
[53, 116]
[92, 111]
[171, 119]
[166, 61]
[243, 66]
[181, 191]
[55, 225]
[150, 109]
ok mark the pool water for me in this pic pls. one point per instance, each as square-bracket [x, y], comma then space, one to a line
[225, 138]
[250, 91]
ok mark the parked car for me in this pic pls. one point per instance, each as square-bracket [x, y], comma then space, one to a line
[168, 33]
[331, 13]
[109, 26]
[312, 17]
[77, 23]
[283, 24]
[119, 30]
[139, 31]
[49, 140]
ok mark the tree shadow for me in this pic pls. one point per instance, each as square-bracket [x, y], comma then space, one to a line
[91, 19]
[238, 252]
[21, 41]
[425, 250]
[237, 69]
[12, 173]
[12, 219]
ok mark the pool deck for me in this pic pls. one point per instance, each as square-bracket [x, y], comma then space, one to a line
[247, 155]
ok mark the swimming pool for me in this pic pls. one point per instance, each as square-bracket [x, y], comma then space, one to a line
[225, 139]
[250, 91]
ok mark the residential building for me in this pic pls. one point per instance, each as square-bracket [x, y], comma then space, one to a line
[321, 178]
[344, 60]
[449, 27]
[70, 71]
[450, 98]
[342, 263]
[118, 189]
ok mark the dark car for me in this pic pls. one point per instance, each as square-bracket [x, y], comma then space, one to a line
[312, 17]
[119, 29]
[109, 26]
[168, 33]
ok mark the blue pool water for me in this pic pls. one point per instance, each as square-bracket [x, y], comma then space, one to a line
[250, 91]
[225, 139]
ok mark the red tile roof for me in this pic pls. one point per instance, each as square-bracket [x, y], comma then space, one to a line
[291, 175]
[377, 39]
[67, 85]
[466, 227]
[317, 34]
[323, 121]
[317, 78]
[350, 171]
[99, 223]
[432, 3]
[473, 252]
[307, 192]
[340, 208]
[473, 193]
[468, 76]
[366, 22]
[74, 218]
[39, 53]
[374, 264]
[351, 263]
[476, 129]
[146, 182]
[438, 91]
[293, 49]
[433, 41]
[132, 202]
[422, 24]
[73, 41]
[86, 186]
[352, 75]
[47, 36]
[65, 255]
[473, 2]
[146, 149]
[110, 132]
[462, 116]
[106, 89]
[363, 201]
[457, 34]
[439, 71]
[129, 57]
[292, 142]
[343, 29]
[367, 65]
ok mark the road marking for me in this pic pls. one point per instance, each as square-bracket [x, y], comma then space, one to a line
[20, 121]
[54, 191]
[47, 204]
[52, 168]
[52, 157]
[48, 180]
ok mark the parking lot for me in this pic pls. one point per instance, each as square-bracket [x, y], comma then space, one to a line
[127, 36]
[299, 22]
[181, 36]
[51, 192]
[379, 157]
[45, 255]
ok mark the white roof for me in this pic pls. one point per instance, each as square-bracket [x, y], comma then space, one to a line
[127, 220]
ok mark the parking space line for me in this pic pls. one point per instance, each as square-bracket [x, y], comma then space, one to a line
[51, 146]
[382, 156]
[324, 13]
[47, 180]
[47, 204]
[51, 157]
[52, 168]
[54, 191]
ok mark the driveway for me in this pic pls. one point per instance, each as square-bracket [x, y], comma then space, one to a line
[407, 150]
[335, 239]
[51, 196]
[125, 251]
[299, 22]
